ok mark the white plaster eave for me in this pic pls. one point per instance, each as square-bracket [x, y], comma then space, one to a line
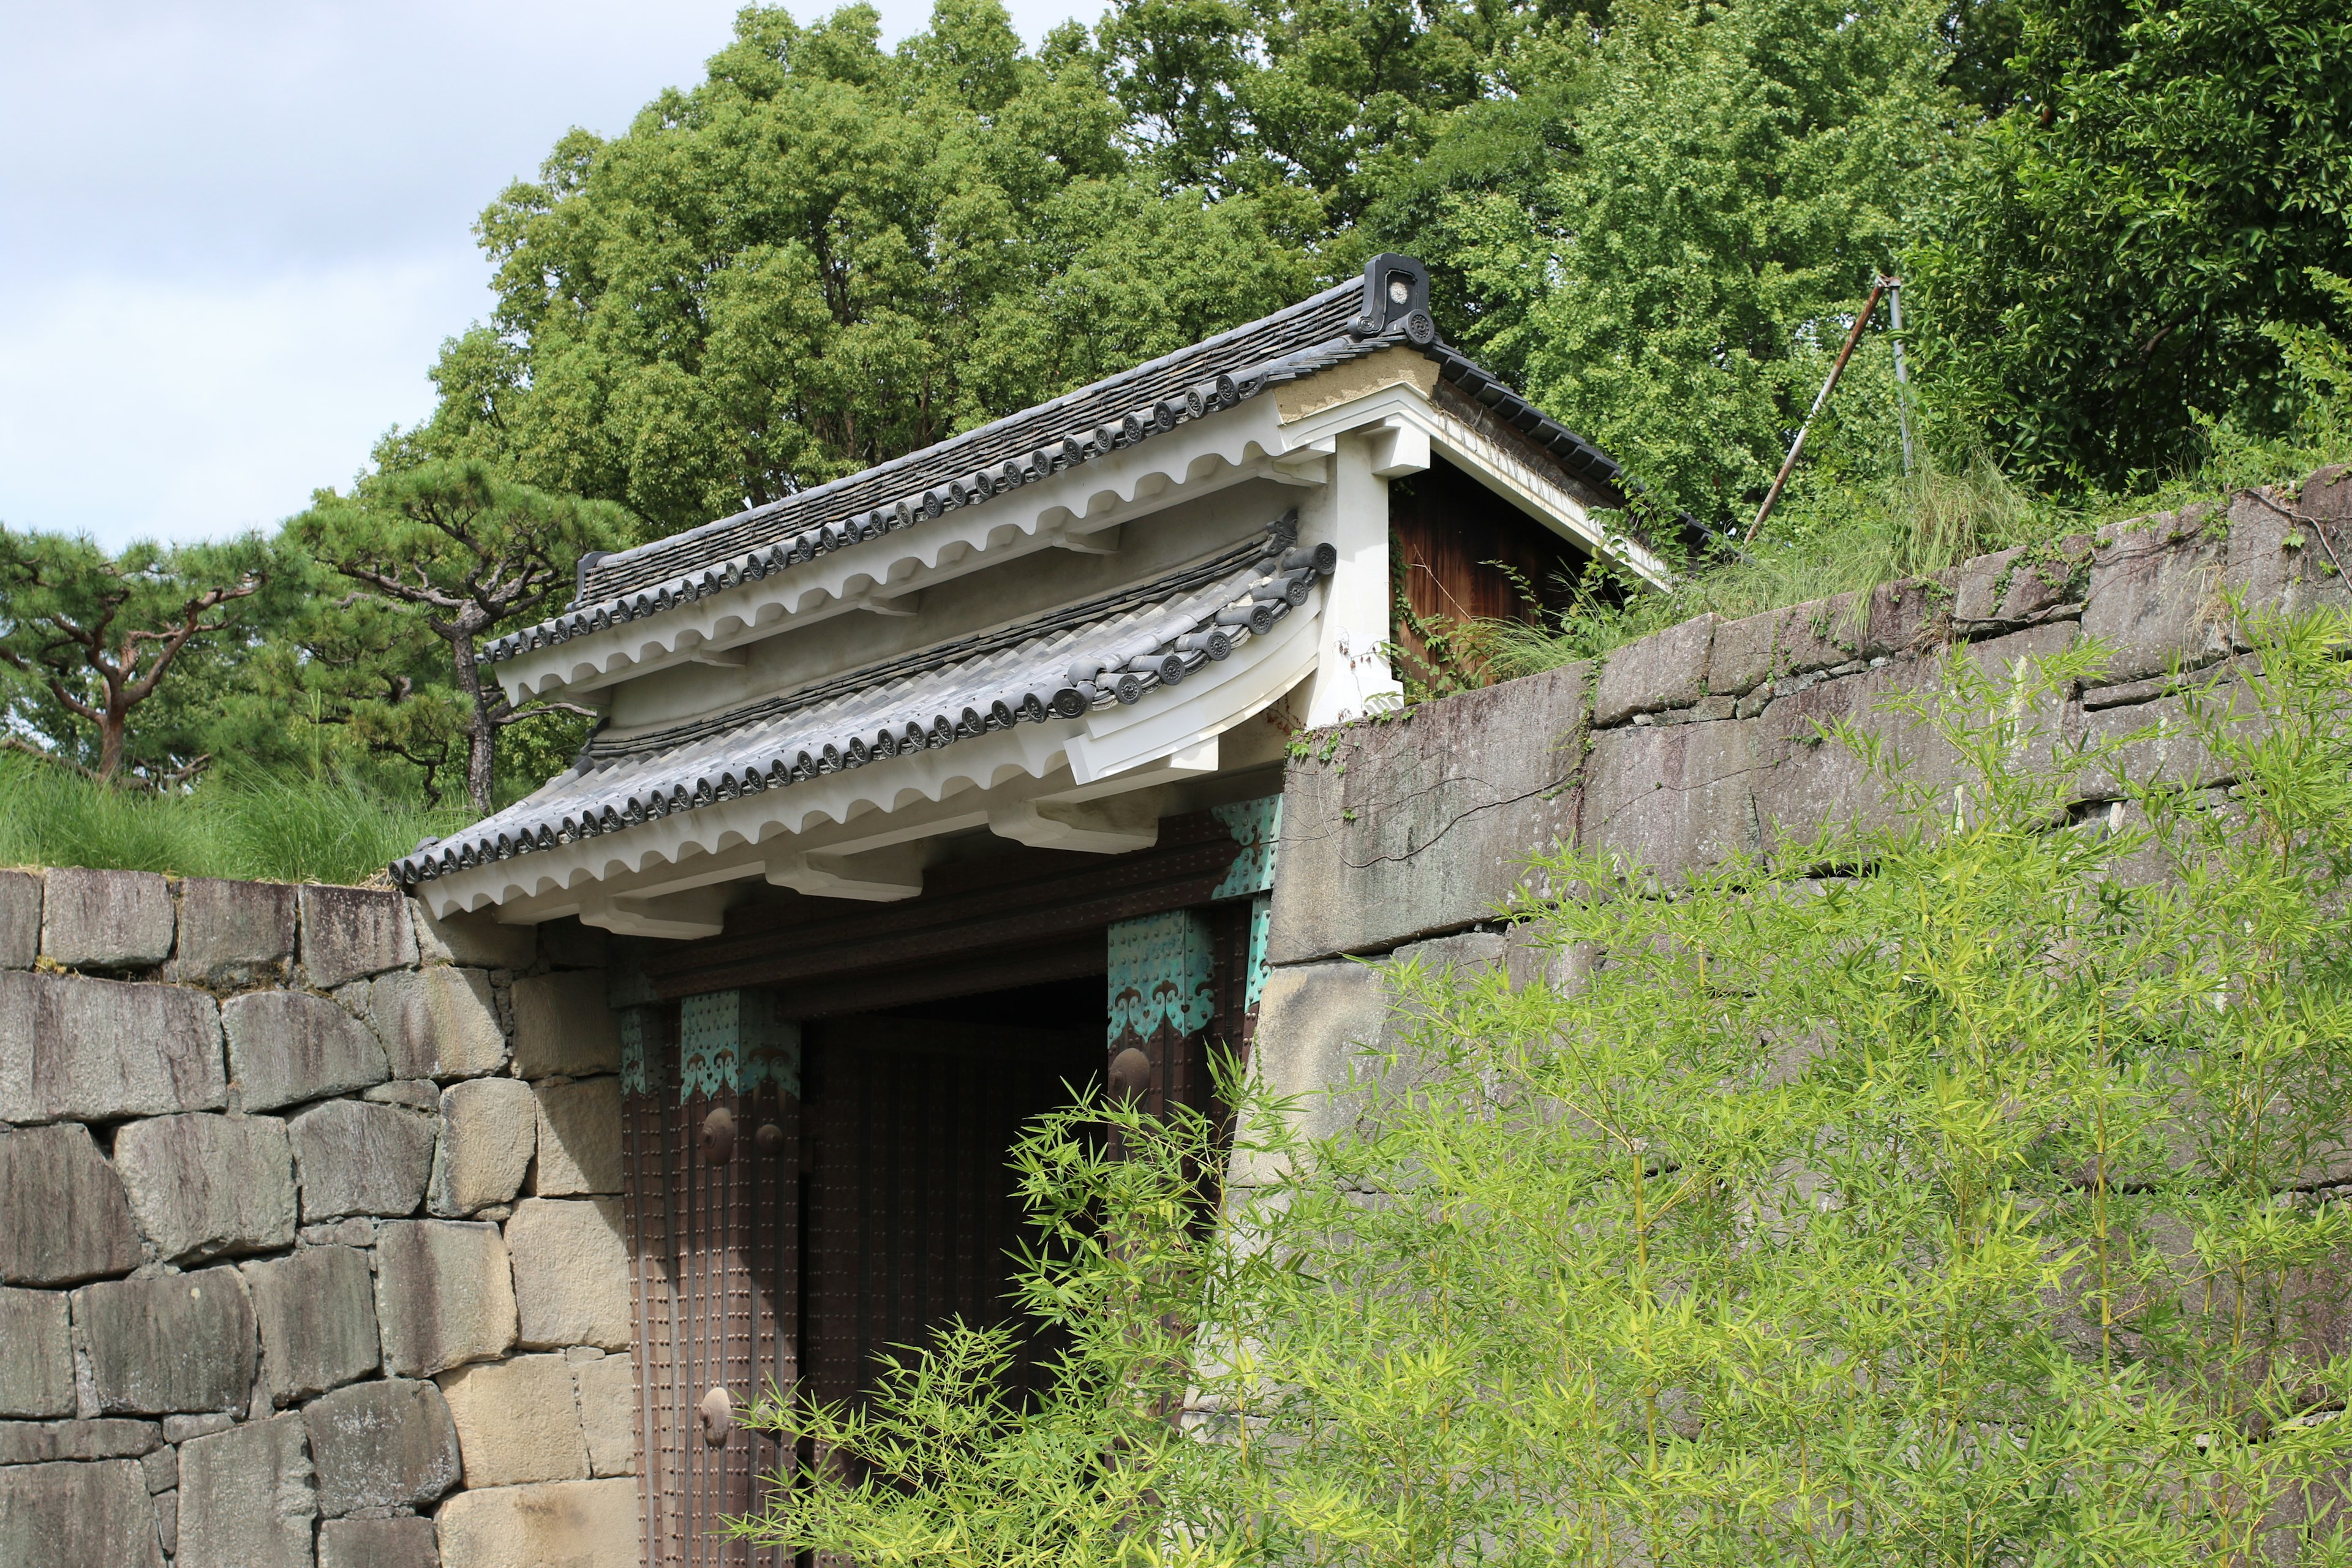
[1485, 459]
[1092, 747]
[1064, 511]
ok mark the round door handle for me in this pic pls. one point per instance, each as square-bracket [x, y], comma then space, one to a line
[718, 1417]
[718, 1135]
[768, 1139]
[1131, 1075]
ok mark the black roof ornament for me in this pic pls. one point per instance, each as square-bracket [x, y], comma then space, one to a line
[1396, 294]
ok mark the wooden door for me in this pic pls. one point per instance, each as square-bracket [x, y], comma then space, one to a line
[914, 1213]
[711, 1132]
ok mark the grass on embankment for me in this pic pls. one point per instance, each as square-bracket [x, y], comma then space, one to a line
[1853, 538]
[273, 829]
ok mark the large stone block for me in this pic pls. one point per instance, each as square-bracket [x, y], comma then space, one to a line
[106, 920]
[402, 1541]
[1805, 779]
[387, 1444]
[554, 1524]
[1395, 830]
[169, 1342]
[2156, 743]
[490, 1127]
[1818, 635]
[287, 1046]
[571, 1272]
[248, 1498]
[1802, 779]
[1983, 584]
[350, 933]
[78, 1516]
[105, 1438]
[518, 1421]
[1464, 956]
[2154, 598]
[1674, 798]
[64, 1216]
[37, 1376]
[1908, 618]
[1325, 1029]
[444, 1295]
[234, 933]
[471, 939]
[316, 1313]
[358, 1157]
[1315, 1021]
[608, 1413]
[563, 1025]
[20, 920]
[579, 1138]
[26, 1443]
[1740, 657]
[101, 1050]
[2278, 556]
[439, 1022]
[1664, 669]
[203, 1185]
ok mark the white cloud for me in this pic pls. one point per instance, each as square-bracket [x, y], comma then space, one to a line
[134, 407]
[232, 236]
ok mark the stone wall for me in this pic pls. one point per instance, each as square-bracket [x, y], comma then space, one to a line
[1405, 836]
[309, 1256]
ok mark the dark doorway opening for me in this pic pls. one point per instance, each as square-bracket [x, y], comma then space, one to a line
[911, 1214]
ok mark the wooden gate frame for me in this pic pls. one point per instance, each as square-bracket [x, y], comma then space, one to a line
[711, 1116]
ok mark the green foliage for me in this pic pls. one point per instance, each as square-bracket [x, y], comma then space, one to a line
[457, 553]
[87, 638]
[1958, 1186]
[2320, 361]
[1337, 95]
[825, 256]
[1674, 280]
[2142, 214]
[944, 1467]
[287, 827]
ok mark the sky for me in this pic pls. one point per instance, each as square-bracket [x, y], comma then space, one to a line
[234, 236]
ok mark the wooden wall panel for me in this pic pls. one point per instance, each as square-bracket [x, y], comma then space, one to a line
[1447, 533]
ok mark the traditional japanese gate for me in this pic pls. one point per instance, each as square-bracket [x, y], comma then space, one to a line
[814, 1176]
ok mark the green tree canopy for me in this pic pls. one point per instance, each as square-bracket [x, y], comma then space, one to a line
[90, 638]
[2159, 180]
[825, 256]
[467, 554]
[1665, 245]
[1242, 95]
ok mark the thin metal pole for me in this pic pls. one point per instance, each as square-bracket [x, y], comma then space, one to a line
[1861, 319]
[1902, 377]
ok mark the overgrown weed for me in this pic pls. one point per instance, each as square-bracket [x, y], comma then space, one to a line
[1848, 538]
[1981, 1207]
[254, 826]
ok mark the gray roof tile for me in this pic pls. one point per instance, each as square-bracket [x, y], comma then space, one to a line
[1119, 411]
[1114, 649]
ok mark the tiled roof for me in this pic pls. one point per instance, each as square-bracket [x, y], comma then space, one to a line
[1134, 406]
[1099, 654]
